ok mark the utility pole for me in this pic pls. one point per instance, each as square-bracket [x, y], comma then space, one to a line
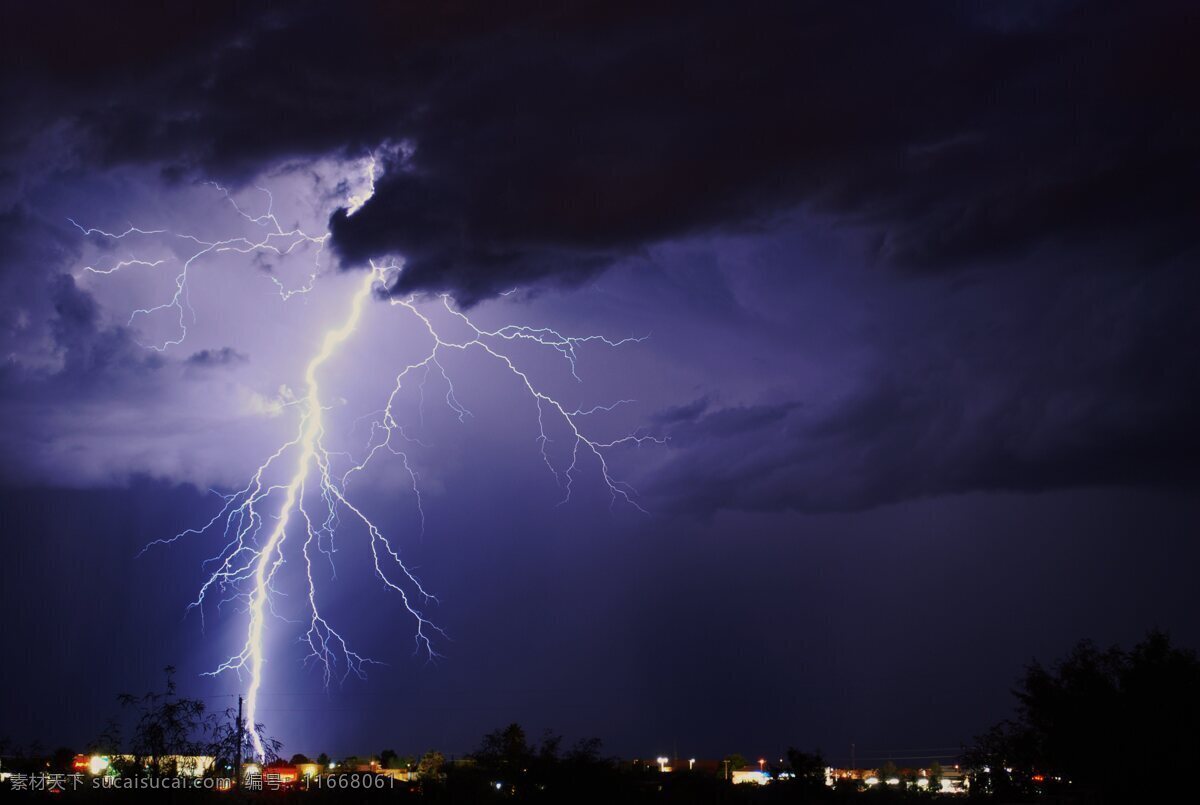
[237, 765]
[853, 765]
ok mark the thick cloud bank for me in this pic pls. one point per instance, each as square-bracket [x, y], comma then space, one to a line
[535, 143]
[1018, 180]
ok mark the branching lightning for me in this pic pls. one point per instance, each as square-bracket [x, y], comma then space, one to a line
[276, 240]
[310, 501]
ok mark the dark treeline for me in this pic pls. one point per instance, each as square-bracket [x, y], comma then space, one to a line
[1098, 726]
[1120, 725]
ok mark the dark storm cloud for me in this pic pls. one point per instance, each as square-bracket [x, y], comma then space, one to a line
[688, 412]
[551, 141]
[29, 252]
[523, 144]
[210, 358]
[47, 320]
[90, 350]
[1092, 384]
[61, 360]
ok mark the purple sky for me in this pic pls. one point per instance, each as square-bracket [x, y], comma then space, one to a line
[920, 345]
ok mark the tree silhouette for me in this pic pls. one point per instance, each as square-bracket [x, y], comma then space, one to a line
[809, 770]
[167, 726]
[223, 741]
[430, 765]
[1101, 718]
[935, 776]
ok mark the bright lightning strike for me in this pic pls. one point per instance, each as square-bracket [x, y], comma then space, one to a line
[311, 500]
[276, 240]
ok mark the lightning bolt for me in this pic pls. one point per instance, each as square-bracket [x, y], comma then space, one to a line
[276, 240]
[270, 557]
[253, 551]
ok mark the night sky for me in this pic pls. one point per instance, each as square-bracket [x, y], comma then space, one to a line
[919, 287]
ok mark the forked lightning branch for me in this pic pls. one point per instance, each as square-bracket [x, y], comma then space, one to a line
[296, 501]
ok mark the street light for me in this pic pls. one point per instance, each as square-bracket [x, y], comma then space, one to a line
[662, 764]
[761, 763]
